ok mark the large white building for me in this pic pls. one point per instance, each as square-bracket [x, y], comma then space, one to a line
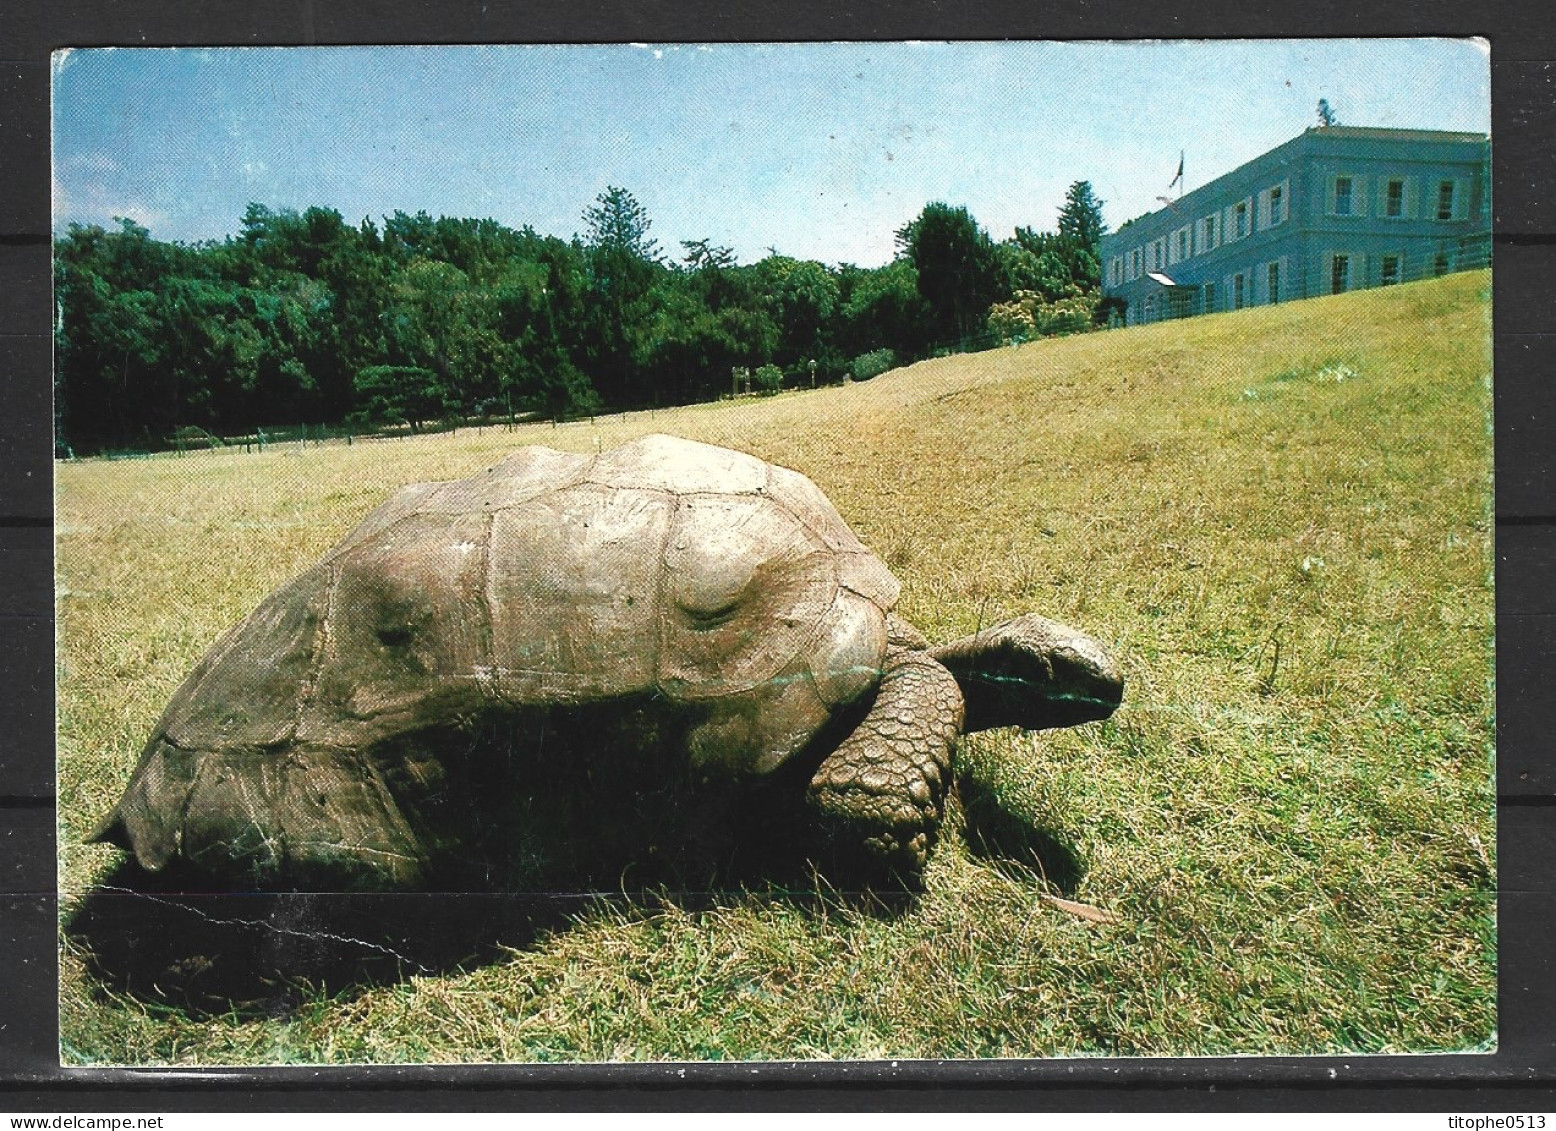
[1335, 209]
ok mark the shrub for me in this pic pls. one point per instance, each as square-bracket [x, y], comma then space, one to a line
[768, 379]
[872, 364]
[1029, 316]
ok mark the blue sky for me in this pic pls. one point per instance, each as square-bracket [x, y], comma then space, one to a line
[819, 150]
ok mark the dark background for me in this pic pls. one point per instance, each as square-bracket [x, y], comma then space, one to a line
[1521, 1076]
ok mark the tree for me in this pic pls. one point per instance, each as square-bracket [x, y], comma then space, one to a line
[115, 379]
[1080, 220]
[802, 297]
[883, 308]
[1061, 264]
[617, 222]
[1326, 116]
[958, 269]
[623, 264]
[1042, 262]
[389, 394]
[702, 255]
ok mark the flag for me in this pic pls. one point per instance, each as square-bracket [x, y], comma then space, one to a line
[1179, 175]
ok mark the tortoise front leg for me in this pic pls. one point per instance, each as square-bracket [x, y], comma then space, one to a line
[877, 797]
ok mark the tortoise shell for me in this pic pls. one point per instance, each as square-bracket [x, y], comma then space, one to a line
[703, 582]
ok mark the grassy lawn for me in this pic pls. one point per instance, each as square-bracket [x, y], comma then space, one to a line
[1279, 521]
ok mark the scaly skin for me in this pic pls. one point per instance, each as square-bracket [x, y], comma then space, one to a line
[882, 788]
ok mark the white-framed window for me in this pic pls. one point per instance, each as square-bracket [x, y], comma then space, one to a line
[1159, 254]
[1240, 226]
[1274, 205]
[1340, 267]
[1239, 291]
[1390, 269]
[1447, 200]
[1210, 297]
[1208, 234]
[1185, 245]
[1272, 282]
[1343, 198]
[1135, 259]
[1396, 198]
[1116, 270]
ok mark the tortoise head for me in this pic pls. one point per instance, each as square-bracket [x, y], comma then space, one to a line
[1033, 673]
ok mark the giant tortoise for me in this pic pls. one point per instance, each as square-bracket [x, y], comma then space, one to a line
[665, 604]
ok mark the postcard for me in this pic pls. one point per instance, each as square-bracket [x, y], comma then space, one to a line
[774, 552]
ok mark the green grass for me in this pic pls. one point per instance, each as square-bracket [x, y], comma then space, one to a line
[1278, 520]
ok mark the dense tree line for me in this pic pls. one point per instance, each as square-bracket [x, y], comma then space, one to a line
[303, 318]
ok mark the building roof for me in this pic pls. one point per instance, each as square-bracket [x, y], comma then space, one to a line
[1371, 133]
[1389, 133]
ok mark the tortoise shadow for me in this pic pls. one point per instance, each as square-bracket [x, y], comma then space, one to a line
[170, 940]
[248, 955]
[266, 953]
[1012, 843]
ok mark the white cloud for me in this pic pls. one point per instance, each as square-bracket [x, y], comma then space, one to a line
[93, 205]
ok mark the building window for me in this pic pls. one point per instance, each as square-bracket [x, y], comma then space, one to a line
[1339, 274]
[1445, 200]
[1277, 206]
[1158, 254]
[1210, 232]
[1440, 264]
[1118, 271]
[1136, 258]
[1272, 283]
[1388, 271]
[1210, 297]
[1183, 244]
[1342, 196]
[1239, 293]
[1394, 200]
[1240, 220]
